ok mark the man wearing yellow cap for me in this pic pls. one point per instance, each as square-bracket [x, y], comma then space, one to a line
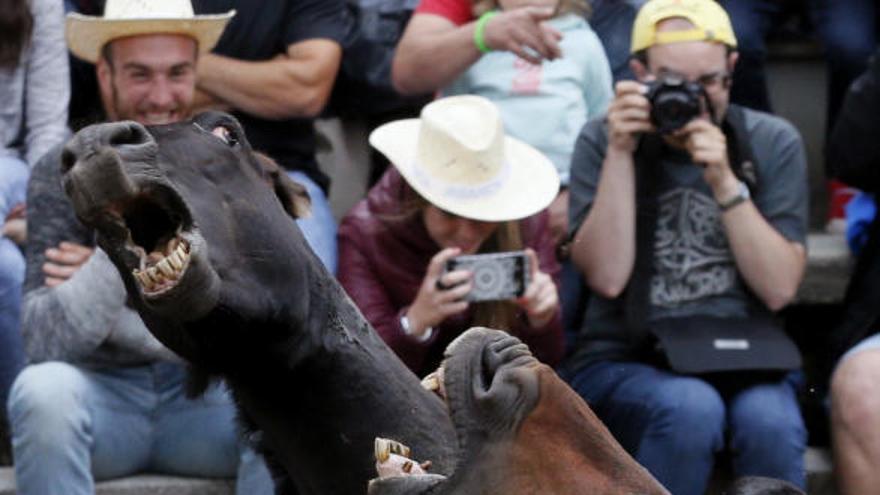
[689, 219]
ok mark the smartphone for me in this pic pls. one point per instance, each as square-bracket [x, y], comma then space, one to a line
[496, 276]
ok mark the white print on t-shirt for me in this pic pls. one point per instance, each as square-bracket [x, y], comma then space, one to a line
[692, 256]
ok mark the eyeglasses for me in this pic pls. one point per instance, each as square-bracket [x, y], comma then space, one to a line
[712, 81]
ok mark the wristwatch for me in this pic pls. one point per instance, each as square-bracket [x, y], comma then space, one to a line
[408, 331]
[742, 195]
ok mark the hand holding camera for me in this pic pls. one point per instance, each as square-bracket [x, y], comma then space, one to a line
[628, 116]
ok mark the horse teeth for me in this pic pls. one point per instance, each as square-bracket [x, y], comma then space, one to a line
[398, 448]
[182, 251]
[142, 278]
[174, 259]
[382, 449]
[155, 276]
[431, 382]
[165, 267]
[407, 467]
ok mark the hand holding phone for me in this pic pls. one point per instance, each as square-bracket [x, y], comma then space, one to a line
[541, 298]
[440, 295]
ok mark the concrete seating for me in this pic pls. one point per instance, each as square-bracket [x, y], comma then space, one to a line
[146, 484]
[828, 269]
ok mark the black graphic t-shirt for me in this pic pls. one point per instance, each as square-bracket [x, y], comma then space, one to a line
[695, 273]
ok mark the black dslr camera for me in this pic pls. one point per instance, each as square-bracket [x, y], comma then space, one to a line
[675, 101]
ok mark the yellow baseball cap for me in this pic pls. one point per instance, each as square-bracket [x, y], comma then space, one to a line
[710, 19]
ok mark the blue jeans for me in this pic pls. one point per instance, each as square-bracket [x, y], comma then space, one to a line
[72, 426]
[612, 20]
[319, 228]
[13, 185]
[674, 425]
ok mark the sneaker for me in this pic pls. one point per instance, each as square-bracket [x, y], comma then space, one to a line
[839, 194]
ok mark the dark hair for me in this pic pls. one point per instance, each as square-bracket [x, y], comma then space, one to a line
[642, 55]
[16, 26]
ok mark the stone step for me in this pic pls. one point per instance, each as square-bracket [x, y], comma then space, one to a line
[817, 463]
[829, 264]
[143, 484]
[820, 481]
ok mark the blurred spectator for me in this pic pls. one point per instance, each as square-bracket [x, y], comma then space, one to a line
[572, 88]
[445, 29]
[34, 90]
[854, 153]
[459, 186]
[612, 20]
[848, 33]
[102, 398]
[274, 69]
[690, 239]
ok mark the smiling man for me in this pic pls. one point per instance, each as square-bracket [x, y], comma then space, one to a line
[101, 397]
[689, 218]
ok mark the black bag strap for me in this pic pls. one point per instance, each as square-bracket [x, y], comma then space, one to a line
[651, 148]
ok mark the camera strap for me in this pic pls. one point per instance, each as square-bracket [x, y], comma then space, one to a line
[652, 148]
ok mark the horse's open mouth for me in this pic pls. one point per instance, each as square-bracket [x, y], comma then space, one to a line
[161, 235]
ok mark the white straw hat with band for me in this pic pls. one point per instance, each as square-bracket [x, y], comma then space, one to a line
[457, 157]
[87, 35]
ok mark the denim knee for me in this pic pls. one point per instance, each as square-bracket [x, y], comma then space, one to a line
[767, 419]
[44, 404]
[692, 407]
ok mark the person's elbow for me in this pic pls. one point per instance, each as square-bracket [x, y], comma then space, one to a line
[780, 296]
[403, 77]
[305, 103]
[607, 287]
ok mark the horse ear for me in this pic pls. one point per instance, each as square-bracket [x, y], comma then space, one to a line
[293, 196]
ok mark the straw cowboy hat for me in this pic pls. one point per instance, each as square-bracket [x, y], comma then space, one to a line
[457, 157]
[87, 35]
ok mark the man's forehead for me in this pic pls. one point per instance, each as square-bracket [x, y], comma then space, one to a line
[150, 49]
[690, 58]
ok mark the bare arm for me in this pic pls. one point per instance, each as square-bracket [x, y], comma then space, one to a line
[434, 51]
[771, 265]
[604, 246]
[297, 84]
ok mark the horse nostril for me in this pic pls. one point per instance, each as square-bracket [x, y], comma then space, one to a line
[68, 159]
[126, 133]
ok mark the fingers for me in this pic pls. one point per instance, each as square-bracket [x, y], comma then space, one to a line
[438, 262]
[705, 142]
[69, 253]
[539, 14]
[451, 279]
[534, 266]
[523, 32]
[52, 270]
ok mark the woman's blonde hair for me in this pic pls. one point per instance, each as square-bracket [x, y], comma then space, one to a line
[581, 7]
[500, 315]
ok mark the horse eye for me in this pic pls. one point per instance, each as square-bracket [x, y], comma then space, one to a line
[226, 135]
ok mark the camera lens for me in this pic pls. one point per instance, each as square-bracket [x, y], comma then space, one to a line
[673, 105]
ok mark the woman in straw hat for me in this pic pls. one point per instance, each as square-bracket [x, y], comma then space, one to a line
[458, 186]
[34, 91]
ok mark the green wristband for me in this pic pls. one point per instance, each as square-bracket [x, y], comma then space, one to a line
[480, 30]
